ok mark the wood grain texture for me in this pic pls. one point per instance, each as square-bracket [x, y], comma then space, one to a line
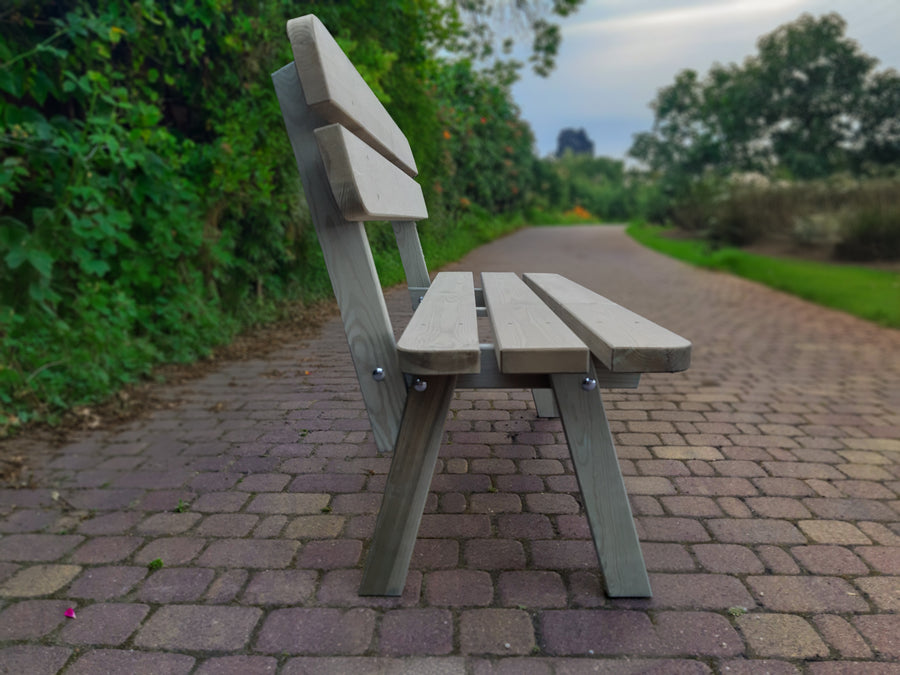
[602, 488]
[442, 335]
[545, 402]
[413, 259]
[337, 92]
[350, 268]
[529, 337]
[365, 185]
[622, 340]
[406, 488]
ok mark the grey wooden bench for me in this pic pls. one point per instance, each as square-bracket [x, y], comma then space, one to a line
[551, 335]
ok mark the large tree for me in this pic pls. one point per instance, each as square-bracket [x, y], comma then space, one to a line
[807, 104]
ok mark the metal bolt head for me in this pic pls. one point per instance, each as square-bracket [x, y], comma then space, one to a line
[420, 385]
[589, 384]
[378, 374]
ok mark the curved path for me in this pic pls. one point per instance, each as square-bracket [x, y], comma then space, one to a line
[764, 481]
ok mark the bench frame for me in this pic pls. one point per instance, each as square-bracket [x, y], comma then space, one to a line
[407, 393]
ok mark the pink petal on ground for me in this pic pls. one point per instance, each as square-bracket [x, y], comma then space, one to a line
[70, 613]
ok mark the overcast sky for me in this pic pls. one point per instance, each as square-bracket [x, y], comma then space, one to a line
[616, 54]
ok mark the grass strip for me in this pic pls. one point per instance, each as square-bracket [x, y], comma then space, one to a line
[868, 294]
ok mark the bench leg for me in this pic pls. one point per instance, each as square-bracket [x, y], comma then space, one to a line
[407, 487]
[545, 403]
[600, 479]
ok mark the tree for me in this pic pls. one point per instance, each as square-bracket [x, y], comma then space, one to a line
[575, 141]
[806, 105]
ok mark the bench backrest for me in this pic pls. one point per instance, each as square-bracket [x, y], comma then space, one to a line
[356, 166]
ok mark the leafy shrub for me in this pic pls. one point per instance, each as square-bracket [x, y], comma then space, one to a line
[871, 233]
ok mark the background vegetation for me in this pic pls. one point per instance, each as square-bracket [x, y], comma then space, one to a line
[149, 206]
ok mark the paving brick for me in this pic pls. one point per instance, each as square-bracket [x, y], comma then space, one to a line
[697, 634]
[706, 453]
[38, 580]
[218, 502]
[883, 559]
[542, 502]
[37, 547]
[238, 665]
[33, 659]
[340, 588]
[739, 487]
[781, 636]
[558, 554]
[168, 523]
[410, 665]
[459, 588]
[691, 506]
[198, 628]
[316, 631]
[499, 502]
[828, 559]
[728, 558]
[776, 560]
[806, 594]
[454, 525]
[406, 632]
[172, 551]
[225, 587]
[105, 583]
[435, 554]
[494, 554]
[659, 557]
[330, 554]
[270, 527]
[767, 531]
[525, 525]
[778, 507]
[315, 527]
[598, 632]
[284, 502]
[692, 591]
[254, 553]
[883, 633]
[783, 487]
[852, 668]
[850, 509]
[842, 637]
[176, 584]
[106, 549]
[755, 666]
[884, 592]
[226, 525]
[833, 532]
[104, 624]
[531, 589]
[280, 587]
[31, 619]
[495, 631]
[682, 530]
[131, 662]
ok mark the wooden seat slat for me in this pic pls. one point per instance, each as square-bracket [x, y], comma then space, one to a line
[335, 90]
[365, 185]
[528, 336]
[442, 335]
[623, 341]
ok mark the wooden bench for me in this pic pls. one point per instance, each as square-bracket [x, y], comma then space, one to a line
[551, 335]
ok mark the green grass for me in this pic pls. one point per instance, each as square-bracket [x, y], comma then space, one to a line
[869, 294]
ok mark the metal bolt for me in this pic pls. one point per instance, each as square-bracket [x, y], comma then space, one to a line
[589, 384]
[378, 374]
[420, 385]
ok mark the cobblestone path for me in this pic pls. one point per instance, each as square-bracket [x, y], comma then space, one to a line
[764, 482]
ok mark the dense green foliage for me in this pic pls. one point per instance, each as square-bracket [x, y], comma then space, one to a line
[148, 199]
[802, 133]
[866, 293]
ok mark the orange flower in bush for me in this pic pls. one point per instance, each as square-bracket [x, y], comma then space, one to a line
[580, 212]
[465, 203]
[447, 134]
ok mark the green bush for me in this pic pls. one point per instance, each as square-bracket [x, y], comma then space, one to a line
[871, 233]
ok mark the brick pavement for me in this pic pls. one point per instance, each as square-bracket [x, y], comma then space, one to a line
[764, 482]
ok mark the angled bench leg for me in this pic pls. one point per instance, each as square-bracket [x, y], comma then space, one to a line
[600, 479]
[545, 403]
[407, 487]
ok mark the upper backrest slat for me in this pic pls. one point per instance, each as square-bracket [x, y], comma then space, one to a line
[336, 91]
[365, 185]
